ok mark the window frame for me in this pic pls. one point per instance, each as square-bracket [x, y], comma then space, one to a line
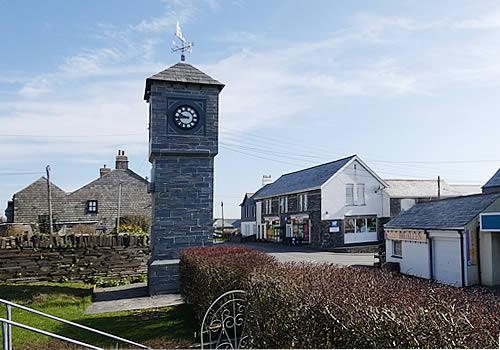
[393, 248]
[360, 201]
[349, 200]
[92, 204]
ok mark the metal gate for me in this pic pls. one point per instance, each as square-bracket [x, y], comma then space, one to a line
[223, 325]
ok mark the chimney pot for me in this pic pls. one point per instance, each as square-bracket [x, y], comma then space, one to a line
[104, 171]
[121, 161]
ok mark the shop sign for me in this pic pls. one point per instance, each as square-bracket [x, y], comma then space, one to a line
[334, 226]
[299, 217]
[272, 218]
[471, 243]
[406, 235]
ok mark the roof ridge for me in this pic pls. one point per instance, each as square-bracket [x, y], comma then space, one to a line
[495, 194]
[316, 166]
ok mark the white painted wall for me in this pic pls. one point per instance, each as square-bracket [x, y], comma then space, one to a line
[414, 260]
[333, 196]
[248, 228]
[258, 218]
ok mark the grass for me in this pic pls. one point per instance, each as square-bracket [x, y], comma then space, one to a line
[159, 328]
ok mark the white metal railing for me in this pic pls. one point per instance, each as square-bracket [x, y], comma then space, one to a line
[7, 324]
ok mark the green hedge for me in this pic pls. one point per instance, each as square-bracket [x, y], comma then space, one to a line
[208, 272]
[292, 305]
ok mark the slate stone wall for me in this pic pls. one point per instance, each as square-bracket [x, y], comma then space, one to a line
[75, 258]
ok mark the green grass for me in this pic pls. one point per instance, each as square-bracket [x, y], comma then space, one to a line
[162, 327]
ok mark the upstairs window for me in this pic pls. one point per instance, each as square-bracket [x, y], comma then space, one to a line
[360, 194]
[349, 194]
[91, 207]
[283, 204]
[267, 206]
[303, 202]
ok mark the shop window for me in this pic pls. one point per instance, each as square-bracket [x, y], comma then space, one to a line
[360, 224]
[303, 202]
[91, 207]
[360, 189]
[350, 225]
[397, 249]
[349, 194]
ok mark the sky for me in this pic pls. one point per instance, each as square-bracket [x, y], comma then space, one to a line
[409, 86]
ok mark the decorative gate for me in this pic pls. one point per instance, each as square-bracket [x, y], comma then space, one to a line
[223, 325]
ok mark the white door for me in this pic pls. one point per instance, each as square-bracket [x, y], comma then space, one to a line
[446, 258]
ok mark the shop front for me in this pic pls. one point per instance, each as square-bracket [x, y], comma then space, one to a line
[299, 226]
[272, 229]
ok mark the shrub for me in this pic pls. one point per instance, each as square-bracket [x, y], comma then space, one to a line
[134, 224]
[208, 272]
[323, 306]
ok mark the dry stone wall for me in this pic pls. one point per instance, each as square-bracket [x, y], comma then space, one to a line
[73, 258]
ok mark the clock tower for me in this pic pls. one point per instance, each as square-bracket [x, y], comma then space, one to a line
[183, 141]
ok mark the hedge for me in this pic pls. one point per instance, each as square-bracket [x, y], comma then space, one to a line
[208, 272]
[322, 306]
[300, 305]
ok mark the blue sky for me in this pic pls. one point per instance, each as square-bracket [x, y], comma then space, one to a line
[410, 86]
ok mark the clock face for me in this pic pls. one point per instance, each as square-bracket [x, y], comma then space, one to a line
[186, 118]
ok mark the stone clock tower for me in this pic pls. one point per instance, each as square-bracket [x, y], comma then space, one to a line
[183, 141]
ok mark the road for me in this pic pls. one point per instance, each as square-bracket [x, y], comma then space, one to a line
[286, 253]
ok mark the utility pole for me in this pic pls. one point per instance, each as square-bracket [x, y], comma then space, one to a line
[439, 187]
[119, 208]
[49, 200]
[222, 208]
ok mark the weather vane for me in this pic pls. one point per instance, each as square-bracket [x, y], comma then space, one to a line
[182, 45]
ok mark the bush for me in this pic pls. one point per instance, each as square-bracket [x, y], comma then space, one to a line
[134, 224]
[322, 306]
[208, 272]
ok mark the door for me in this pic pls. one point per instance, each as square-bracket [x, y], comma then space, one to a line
[446, 258]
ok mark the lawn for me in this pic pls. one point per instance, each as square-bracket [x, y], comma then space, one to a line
[159, 328]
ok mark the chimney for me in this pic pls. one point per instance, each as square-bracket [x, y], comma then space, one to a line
[104, 171]
[266, 180]
[121, 161]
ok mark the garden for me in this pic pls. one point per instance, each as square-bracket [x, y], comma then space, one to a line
[299, 305]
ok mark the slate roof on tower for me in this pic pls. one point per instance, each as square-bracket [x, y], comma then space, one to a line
[307, 179]
[494, 181]
[445, 213]
[181, 73]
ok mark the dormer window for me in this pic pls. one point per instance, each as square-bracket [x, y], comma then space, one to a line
[92, 207]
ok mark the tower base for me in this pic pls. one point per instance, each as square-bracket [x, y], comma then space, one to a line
[163, 276]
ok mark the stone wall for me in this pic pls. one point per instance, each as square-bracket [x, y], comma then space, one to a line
[75, 258]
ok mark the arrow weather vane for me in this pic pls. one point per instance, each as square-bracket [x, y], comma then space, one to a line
[182, 45]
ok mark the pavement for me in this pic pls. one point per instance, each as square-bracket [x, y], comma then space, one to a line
[130, 297]
[304, 253]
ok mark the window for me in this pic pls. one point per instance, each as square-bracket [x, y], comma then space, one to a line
[360, 194]
[267, 206]
[349, 194]
[283, 204]
[360, 224]
[397, 249]
[302, 202]
[91, 207]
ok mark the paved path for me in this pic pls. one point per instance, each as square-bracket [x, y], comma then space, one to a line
[130, 297]
[285, 253]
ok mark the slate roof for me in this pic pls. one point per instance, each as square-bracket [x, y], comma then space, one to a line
[247, 195]
[445, 213]
[182, 73]
[494, 181]
[417, 188]
[302, 180]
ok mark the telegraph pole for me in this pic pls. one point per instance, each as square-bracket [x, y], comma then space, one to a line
[222, 208]
[49, 200]
[119, 208]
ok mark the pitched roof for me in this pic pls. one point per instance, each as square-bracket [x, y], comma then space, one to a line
[181, 73]
[494, 181]
[303, 179]
[445, 213]
[418, 188]
[247, 196]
